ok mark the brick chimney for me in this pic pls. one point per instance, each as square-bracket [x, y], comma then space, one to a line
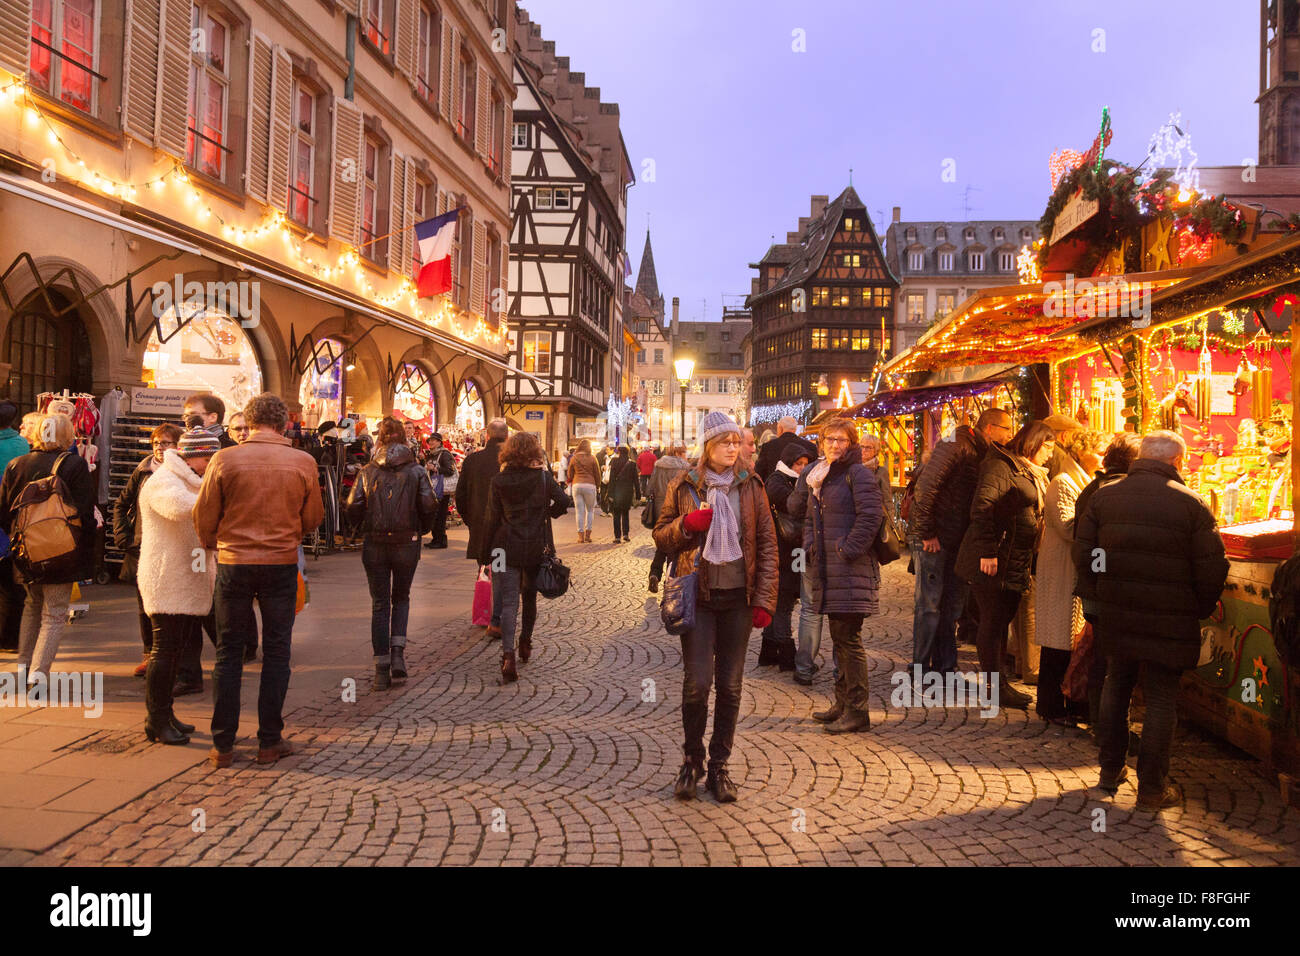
[898, 214]
[819, 204]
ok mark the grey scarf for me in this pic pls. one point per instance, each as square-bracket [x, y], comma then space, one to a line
[723, 542]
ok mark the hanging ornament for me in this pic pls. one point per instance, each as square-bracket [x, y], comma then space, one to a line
[1245, 372]
[1204, 381]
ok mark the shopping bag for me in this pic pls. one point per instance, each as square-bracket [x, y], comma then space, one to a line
[303, 597]
[1075, 683]
[483, 598]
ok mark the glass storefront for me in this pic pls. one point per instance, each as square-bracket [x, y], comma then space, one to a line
[413, 397]
[210, 353]
[469, 407]
[321, 392]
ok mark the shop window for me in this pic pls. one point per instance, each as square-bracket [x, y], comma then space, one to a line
[469, 407]
[203, 349]
[413, 397]
[47, 351]
[321, 392]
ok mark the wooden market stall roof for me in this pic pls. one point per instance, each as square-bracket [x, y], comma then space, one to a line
[1011, 324]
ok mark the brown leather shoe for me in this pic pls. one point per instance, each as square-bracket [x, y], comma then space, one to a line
[508, 672]
[142, 668]
[493, 633]
[271, 754]
[586, 537]
[221, 758]
[830, 715]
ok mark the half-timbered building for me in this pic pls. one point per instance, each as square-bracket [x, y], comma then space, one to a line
[570, 174]
[822, 306]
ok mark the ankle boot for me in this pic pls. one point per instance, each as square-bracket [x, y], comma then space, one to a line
[785, 655]
[179, 727]
[383, 674]
[587, 537]
[397, 659]
[525, 648]
[830, 715]
[508, 672]
[167, 735]
[850, 721]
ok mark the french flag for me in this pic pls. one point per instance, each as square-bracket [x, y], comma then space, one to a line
[433, 239]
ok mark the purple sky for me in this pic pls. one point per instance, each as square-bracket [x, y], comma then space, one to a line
[743, 130]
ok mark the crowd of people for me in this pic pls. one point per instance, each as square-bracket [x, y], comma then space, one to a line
[1094, 533]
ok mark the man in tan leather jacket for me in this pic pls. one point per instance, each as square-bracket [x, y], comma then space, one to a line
[257, 501]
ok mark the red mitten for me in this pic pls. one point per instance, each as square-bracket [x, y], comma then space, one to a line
[698, 520]
[761, 617]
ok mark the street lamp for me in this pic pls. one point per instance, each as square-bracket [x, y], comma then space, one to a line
[684, 367]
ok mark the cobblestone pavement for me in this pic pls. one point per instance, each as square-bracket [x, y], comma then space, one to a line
[575, 765]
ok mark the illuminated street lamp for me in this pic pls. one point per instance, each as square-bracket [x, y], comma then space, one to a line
[684, 367]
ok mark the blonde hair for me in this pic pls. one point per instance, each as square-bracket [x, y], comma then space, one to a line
[55, 433]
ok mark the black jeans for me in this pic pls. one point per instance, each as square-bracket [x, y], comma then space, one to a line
[657, 565]
[390, 568]
[146, 623]
[1052, 702]
[439, 535]
[621, 521]
[1160, 688]
[275, 587]
[997, 609]
[190, 668]
[12, 598]
[714, 650]
[850, 661]
[170, 634]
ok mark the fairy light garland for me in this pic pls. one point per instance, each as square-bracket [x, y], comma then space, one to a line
[16, 93]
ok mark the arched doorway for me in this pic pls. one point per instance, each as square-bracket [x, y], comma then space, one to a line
[469, 406]
[413, 396]
[46, 351]
[321, 392]
[211, 352]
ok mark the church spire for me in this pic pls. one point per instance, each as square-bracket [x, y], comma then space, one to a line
[647, 283]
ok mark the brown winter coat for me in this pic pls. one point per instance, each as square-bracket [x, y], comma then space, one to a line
[757, 535]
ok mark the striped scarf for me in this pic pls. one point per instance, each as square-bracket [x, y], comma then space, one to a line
[723, 542]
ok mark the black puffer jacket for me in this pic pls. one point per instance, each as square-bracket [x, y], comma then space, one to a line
[1083, 587]
[126, 519]
[81, 490]
[779, 485]
[392, 499]
[521, 503]
[946, 486]
[838, 531]
[1004, 520]
[1164, 565]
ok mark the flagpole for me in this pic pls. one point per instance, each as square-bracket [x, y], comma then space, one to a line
[411, 226]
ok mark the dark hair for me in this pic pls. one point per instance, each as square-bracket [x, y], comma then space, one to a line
[267, 409]
[1122, 452]
[989, 414]
[521, 449]
[8, 412]
[1030, 439]
[211, 404]
[390, 432]
[622, 452]
[166, 430]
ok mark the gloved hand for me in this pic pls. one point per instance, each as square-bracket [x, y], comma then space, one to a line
[761, 617]
[698, 520]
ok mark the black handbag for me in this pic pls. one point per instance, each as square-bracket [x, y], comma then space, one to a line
[789, 530]
[552, 576]
[888, 546]
[648, 513]
[677, 608]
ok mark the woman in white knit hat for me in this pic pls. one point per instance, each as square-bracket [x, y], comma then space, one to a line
[175, 575]
[717, 516]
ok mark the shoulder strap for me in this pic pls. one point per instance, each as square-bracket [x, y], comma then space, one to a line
[546, 510]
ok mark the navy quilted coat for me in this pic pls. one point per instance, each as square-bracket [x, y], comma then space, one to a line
[839, 529]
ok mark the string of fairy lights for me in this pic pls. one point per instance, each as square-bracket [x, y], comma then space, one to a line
[175, 183]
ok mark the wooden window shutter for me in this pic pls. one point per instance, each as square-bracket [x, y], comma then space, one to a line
[507, 140]
[456, 92]
[407, 36]
[396, 212]
[444, 90]
[259, 118]
[483, 108]
[15, 35]
[405, 262]
[140, 71]
[479, 269]
[505, 282]
[173, 77]
[345, 188]
[281, 124]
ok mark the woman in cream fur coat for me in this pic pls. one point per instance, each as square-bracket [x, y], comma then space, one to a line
[1057, 611]
[175, 575]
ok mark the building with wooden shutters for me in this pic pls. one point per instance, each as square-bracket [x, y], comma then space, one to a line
[275, 155]
[822, 306]
[569, 174]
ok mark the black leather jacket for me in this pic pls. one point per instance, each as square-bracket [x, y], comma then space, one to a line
[393, 495]
[946, 488]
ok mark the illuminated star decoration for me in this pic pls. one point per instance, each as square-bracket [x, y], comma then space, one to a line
[1262, 669]
[1170, 147]
[1027, 263]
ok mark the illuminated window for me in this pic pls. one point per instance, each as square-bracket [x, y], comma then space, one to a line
[840, 298]
[839, 339]
[413, 396]
[321, 391]
[916, 307]
[469, 406]
[537, 352]
[852, 259]
[821, 295]
[882, 298]
[851, 224]
[946, 302]
[211, 353]
[819, 338]
[861, 340]
[64, 39]
[209, 49]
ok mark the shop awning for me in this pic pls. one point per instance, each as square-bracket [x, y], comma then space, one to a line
[907, 401]
[236, 258]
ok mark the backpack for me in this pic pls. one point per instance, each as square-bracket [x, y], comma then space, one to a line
[46, 528]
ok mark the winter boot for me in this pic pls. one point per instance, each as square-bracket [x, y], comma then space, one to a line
[720, 784]
[829, 716]
[397, 655]
[850, 721]
[767, 653]
[508, 672]
[383, 674]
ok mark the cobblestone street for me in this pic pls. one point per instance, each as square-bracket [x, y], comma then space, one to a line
[573, 766]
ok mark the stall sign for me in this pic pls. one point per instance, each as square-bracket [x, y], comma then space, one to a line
[1076, 212]
[589, 429]
[159, 401]
[534, 416]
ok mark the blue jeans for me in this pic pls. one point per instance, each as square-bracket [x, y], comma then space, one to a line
[390, 568]
[940, 599]
[811, 625]
[275, 586]
[511, 584]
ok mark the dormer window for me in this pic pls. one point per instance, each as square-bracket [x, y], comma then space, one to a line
[910, 234]
[915, 260]
[945, 262]
[977, 262]
[941, 235]
[970, 234]
[1024, 235]
[999, 235]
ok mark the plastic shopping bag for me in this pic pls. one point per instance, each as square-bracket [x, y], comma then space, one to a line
[483, 598]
